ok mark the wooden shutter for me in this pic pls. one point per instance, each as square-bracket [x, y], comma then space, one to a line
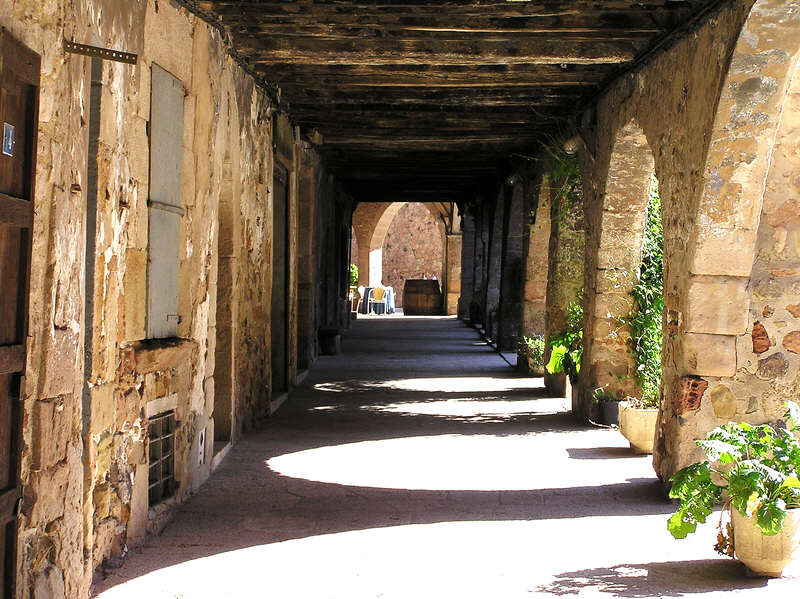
[164, 206]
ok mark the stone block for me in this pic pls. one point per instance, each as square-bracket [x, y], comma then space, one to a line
[792, 342]
[688, 394]
[612, 305]
[52, 428]
[51, 488]
[724, 403]
[135, 294]
[717, 305]
[724, 252]
[102, 409]
[60, 360]
[709, 355]
[761, 342]
[137, 524]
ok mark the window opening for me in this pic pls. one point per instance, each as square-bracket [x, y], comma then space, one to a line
[161, 437]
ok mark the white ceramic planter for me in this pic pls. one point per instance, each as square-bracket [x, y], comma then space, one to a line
[763, 555]
[638, 426]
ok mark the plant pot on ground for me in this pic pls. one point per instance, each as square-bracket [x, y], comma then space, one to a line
[530, 355]
[755, 470]
[637, 423]
[608, 407]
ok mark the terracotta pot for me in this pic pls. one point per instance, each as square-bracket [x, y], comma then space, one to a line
[638, 426]
[763, 555]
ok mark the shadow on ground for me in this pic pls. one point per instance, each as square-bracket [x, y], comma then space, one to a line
[666, 579]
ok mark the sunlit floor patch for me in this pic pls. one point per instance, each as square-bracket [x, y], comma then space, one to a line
[464, 384]
[606, 556]
[458, 462]
[475, 409]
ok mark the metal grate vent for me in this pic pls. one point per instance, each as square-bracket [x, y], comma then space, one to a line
[161, 436]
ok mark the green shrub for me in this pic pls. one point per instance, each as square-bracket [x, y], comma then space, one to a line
[353, 275]
[754, 468]
[645, 321]
[566, 348]
[532, 349]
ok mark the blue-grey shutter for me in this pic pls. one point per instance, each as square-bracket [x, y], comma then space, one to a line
[164, 205]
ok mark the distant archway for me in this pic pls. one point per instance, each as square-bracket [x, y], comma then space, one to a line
[376, 243]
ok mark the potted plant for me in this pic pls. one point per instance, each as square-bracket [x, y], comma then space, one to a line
[637, 423]
[755, 469]
[609, 406]
[530, 354]
[566, 348]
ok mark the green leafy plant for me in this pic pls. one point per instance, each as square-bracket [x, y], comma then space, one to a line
[601, 394]
[565, 175]
[645, 321]
[532, 349]
[566, 348]
[754, 467]
[353, 275]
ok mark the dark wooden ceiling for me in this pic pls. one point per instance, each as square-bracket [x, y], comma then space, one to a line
[424, 100]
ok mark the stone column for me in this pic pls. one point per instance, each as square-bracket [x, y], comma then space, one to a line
[534, 305]
[511, 283]
[453, 277]
[565, 271]
[494, 267]
[467, 265]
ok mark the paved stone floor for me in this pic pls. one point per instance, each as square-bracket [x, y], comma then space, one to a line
[416, 465]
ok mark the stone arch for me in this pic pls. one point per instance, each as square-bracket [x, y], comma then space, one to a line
[376, 242]
[715, 331]
[414, 247]
[615, 228]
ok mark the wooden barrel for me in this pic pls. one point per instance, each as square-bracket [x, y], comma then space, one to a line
[421, 297]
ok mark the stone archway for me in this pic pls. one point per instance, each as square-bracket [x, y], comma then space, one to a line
[615, 228]
[725, 362]
[376, 242]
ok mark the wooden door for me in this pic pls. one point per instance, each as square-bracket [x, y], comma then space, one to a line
[19, 82]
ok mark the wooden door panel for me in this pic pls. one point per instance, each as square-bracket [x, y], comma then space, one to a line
[10, 250]
[19, 82]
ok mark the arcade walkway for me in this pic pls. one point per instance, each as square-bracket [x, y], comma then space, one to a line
[417, 465]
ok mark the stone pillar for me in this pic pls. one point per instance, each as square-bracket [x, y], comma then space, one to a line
[481, 259]
[467, 265]
[534, 305]
[494, 267]
[453, 277]
[615, 221]
[511, 283]
[731, 326]
[309, 169]
[565, 270]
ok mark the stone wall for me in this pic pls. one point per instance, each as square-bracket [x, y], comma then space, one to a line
[412, 248]
[85, 460]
